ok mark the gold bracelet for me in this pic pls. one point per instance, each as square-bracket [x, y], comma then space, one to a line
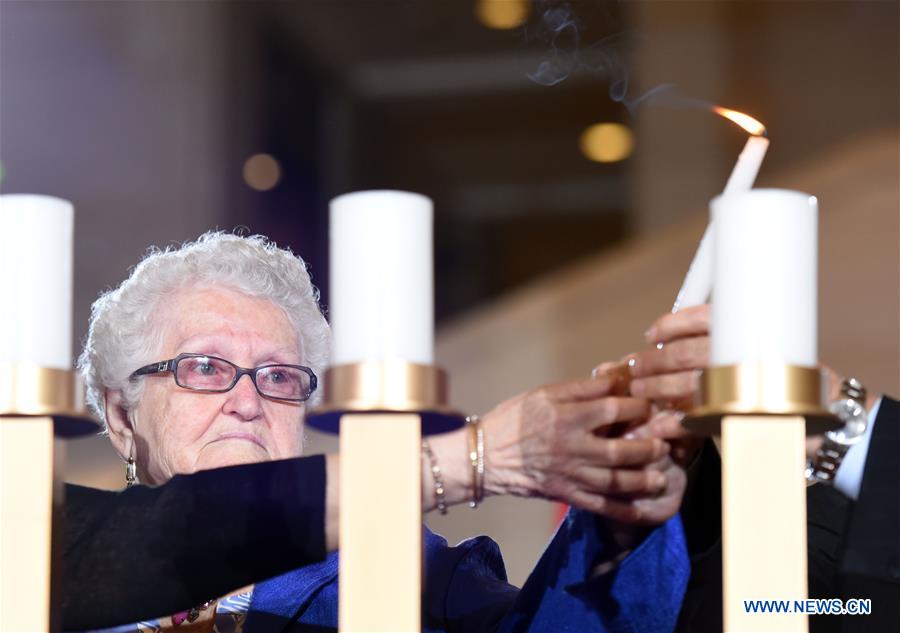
[476, 458]
[437, 477]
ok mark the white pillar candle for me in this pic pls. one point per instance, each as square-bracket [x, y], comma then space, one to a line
[381, 290]
[765, 252]
[36, 280]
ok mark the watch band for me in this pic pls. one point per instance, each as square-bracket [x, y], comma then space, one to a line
[825, 463]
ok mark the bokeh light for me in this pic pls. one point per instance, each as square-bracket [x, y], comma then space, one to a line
[502, 14]
[262, 172]
[607, 142]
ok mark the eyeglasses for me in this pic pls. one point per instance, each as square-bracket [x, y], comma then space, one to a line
[210, 374]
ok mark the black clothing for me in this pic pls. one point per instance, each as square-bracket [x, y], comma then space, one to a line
[870, 566]
[145, 551]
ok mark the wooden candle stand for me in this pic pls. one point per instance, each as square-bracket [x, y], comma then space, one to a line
[37, 406]
[763, 413]
[382, 410]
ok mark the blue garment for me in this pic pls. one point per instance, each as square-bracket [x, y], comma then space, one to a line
[466, 589]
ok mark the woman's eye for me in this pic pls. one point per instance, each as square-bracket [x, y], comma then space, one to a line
[277, 376]
[205, 368]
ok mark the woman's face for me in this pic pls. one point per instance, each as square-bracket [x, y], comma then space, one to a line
[182, 431]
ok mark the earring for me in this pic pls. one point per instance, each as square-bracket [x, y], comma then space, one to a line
[130, 470]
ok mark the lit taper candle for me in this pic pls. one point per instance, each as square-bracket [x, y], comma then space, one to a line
[699, 279]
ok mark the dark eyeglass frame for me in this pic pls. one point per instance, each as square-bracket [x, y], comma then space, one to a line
[171, 365]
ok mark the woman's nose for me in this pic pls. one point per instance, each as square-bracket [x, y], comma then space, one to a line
[243, 400]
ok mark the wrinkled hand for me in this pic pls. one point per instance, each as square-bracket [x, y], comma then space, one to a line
[666, 425]
[660, 508]
[554, 442]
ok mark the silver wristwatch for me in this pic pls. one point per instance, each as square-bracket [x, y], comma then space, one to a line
[850, 408]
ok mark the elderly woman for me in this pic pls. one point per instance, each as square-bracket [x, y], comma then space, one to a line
[206, 357]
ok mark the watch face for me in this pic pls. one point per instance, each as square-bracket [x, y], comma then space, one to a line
[854, 418]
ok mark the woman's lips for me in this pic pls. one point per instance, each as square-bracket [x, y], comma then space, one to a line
[249, 437]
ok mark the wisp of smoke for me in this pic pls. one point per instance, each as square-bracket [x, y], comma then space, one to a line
[559, 28]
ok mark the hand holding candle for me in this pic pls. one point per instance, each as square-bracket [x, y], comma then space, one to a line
[698, 282]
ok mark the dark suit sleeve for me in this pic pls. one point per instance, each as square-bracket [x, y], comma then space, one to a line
[871, 560]
[148, 552]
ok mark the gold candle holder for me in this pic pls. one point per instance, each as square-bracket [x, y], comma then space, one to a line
[384, 386]
[754, 389]
[28, 390]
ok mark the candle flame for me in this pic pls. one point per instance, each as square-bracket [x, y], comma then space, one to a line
[746, 121]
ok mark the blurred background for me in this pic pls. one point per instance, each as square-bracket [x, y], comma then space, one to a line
[567, 207]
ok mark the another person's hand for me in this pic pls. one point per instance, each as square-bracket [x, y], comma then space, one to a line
[668, 374]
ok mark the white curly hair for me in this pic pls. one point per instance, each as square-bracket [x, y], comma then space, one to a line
[122, 334]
